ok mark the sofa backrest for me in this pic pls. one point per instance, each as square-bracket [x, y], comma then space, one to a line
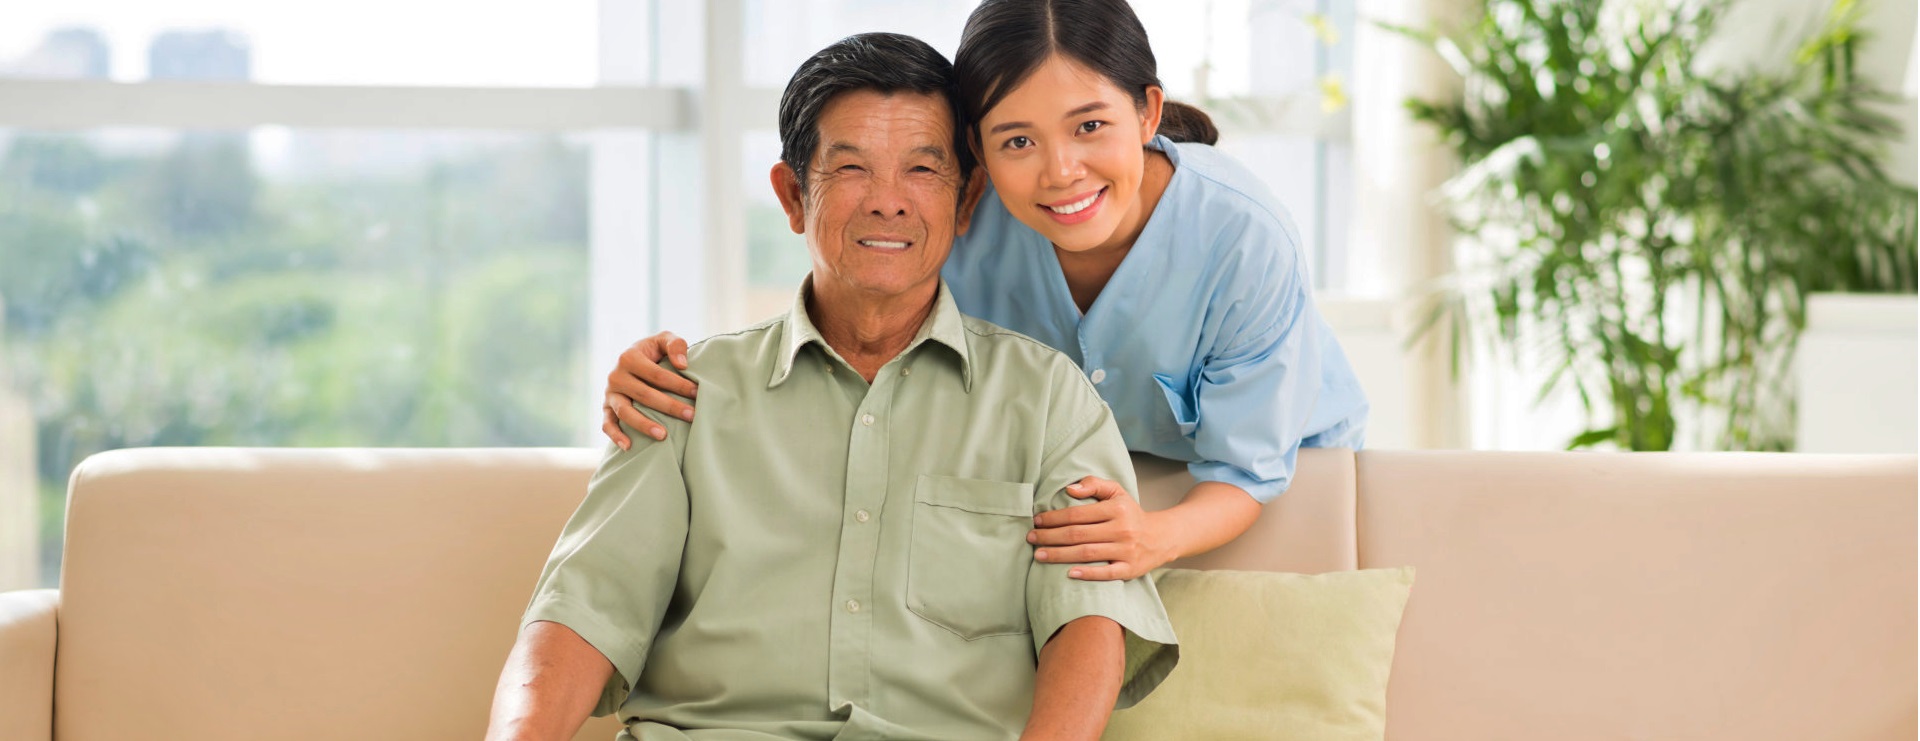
[1308, 529]
[214, 594]
[1576, 596]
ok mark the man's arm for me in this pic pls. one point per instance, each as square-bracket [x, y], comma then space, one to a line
[1077, 682]
[551, 681]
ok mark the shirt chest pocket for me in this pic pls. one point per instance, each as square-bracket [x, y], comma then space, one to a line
[967, 565]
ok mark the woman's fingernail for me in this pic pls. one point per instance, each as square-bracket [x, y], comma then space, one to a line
[657, 433]
[1033, 537]
[1074, 573]
[686, 414]
[1040, 555]
[681, 359]
[626, 445]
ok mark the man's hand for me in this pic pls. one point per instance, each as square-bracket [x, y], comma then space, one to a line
[640, 377]
[549, 686]
[1115, 529]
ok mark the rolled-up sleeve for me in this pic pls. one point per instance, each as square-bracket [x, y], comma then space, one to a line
[613, 570]
[1256, 395]
[1086, 442]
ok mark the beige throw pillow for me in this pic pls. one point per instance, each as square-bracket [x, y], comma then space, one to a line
[1274, 656]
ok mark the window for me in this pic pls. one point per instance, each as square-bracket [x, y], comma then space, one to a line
[424, 223]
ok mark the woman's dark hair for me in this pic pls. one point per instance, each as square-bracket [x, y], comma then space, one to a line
[1006, 40]
[881, 62]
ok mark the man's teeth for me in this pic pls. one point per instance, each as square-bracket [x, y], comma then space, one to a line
[884, 245]
[1077, 206]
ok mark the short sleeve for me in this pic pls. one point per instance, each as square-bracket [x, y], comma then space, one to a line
[1255, 396]
[1083, 441]
[612, 572]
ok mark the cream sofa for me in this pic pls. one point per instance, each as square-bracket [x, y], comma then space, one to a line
[372, 594]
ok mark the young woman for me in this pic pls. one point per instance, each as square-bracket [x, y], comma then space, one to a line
[1116, 234]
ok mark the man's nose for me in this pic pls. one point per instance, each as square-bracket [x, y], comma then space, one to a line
[888, 198]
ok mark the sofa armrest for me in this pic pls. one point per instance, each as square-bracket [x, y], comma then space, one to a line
[26, 663]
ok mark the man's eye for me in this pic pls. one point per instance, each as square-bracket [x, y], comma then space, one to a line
[1019, 142]
[1090, 126]
[922, 168]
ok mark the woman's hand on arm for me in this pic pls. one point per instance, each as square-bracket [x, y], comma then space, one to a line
[1132, 540]
[638, 378]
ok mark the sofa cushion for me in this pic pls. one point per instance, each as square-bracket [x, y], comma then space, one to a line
[1577, 596]
[301, 594]
[1274, 656]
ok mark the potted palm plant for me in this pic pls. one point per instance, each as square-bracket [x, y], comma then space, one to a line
[1650, 231]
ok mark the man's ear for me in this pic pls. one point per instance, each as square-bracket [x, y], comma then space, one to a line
[1150, 116]
[969, 199]
[786, 187]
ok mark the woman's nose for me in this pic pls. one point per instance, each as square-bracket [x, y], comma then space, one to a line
[1064, 167]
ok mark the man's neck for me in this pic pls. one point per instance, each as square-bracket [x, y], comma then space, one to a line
[866, 330]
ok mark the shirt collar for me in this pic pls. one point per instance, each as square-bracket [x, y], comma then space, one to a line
[943, 325]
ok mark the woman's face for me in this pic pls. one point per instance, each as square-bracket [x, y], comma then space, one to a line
[1064, 150]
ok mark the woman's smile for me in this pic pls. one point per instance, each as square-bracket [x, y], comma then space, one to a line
[1076, 209]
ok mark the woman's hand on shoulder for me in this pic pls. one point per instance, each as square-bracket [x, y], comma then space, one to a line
[1114, 529]
[638, 378]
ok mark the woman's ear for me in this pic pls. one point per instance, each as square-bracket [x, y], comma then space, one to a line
[1150, 115]
[786, 187]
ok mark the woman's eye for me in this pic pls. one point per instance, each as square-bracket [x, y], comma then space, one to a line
[1090, 126]
[849, 168]
[1019, 142]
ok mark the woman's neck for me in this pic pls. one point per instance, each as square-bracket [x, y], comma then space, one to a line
[1088, 271]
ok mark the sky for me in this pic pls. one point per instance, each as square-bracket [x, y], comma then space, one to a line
[549, 43]
[355, 42]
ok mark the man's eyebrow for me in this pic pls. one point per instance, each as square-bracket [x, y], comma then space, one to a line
[1098, 105]
[841, 148]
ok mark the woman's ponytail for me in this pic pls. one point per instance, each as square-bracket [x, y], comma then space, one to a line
[1184, 123]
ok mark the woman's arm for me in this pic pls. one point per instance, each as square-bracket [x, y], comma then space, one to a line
[638, 378]
[1133, 541]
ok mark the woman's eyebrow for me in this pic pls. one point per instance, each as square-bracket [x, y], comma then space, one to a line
[1098, 105]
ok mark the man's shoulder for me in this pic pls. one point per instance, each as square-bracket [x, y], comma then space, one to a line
[742, 350]
[1034, 364]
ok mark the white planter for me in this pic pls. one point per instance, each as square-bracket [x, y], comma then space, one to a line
[1857, 375]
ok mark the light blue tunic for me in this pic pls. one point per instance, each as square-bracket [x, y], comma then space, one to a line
[1205, 342]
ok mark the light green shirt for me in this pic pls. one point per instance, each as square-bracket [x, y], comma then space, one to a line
[818, 558]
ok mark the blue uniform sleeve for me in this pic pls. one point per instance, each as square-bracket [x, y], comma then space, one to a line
[1254, 397]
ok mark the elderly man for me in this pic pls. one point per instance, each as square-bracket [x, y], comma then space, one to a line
[837, 549]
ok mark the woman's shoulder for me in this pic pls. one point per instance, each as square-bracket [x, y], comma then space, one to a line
[1244, 224]
[1221, 188]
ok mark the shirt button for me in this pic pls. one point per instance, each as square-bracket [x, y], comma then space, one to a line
[1099, 374]
[866, 419]
[829, 367]
[861, 515]
[853, 605]
[906, 371]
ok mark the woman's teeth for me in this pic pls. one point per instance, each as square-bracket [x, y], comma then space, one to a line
[1077, 206]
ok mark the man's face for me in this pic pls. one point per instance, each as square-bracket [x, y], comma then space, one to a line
[882, 201]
